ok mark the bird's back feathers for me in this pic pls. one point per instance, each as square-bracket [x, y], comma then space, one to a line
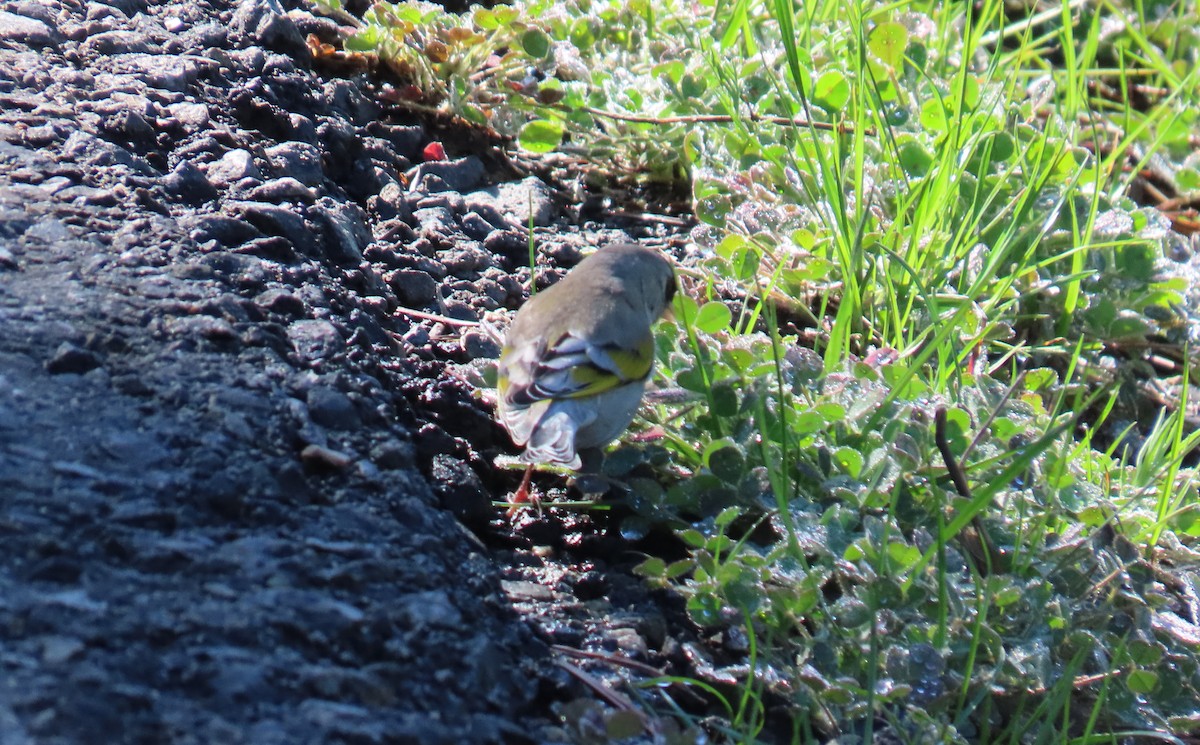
[577, 357]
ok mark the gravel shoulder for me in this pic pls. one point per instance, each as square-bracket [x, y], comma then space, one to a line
[243, 496]
[233, 480]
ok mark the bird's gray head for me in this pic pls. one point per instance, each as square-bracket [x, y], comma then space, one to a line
[647, 273]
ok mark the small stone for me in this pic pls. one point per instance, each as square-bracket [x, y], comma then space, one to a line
[390, 204]
[432, 267]
[460, 311]
[204, 327]
[564, 254]
[494, 292]
[479, 345]
[460, 489]
[266, 23]
[520, 202]
[280, 221]
[524, 591]
[430, 608]
[331, 408]
[630, 642]
[131, 385]
[405, 138]
[476, 227]
[191, 116]
[417, 336]
[129, 125]
[26, 30]
[279, 300]
[233, 166]
[414, 288]
[298, 160]
[511, 243]
[275, 248]
[283, 190]
[224, 230]
[190, 183]
[455, 175]
[434, 222]
[59, 569]
[278, 65]
[317, 457]
[59, 649]
[467, 260]
[432, 440]
[113, 43]
[394, 455]
[69, 358]
[302, 128]
[49, 231]
[315, 339]
[591, 586]
[450, 201]
[161, 72]
[145, 513]
[344, 228]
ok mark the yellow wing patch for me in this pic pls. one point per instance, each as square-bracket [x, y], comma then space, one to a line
[609, 367]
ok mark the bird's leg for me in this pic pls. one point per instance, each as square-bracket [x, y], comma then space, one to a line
[521, 496]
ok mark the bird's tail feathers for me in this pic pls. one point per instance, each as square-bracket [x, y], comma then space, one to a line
[553, 437]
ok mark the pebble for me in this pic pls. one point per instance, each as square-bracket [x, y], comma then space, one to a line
[415, 289]
[523, 591]
[233, 166]
[394, 455]
[281, 221]
[518, 202]
[282, 190]
[27, 30]
[318, 457]
[69, 358]
[331, 408]
[192, 116]
[459, 489]
[315, 339]
[455, 175]
[299, 160]
[344, 227]
[110, 43]
[279, 300]
[203, 327]
[479, 345]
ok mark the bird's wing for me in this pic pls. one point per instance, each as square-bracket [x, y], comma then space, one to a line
[574, 368]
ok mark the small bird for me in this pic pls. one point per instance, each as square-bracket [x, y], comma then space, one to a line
[576, 360]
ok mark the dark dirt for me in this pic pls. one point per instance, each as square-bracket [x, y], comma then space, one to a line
[233, 477]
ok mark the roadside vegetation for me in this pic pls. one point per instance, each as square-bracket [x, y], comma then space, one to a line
[932, 443]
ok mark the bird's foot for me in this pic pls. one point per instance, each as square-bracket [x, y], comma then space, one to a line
[523, 495]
